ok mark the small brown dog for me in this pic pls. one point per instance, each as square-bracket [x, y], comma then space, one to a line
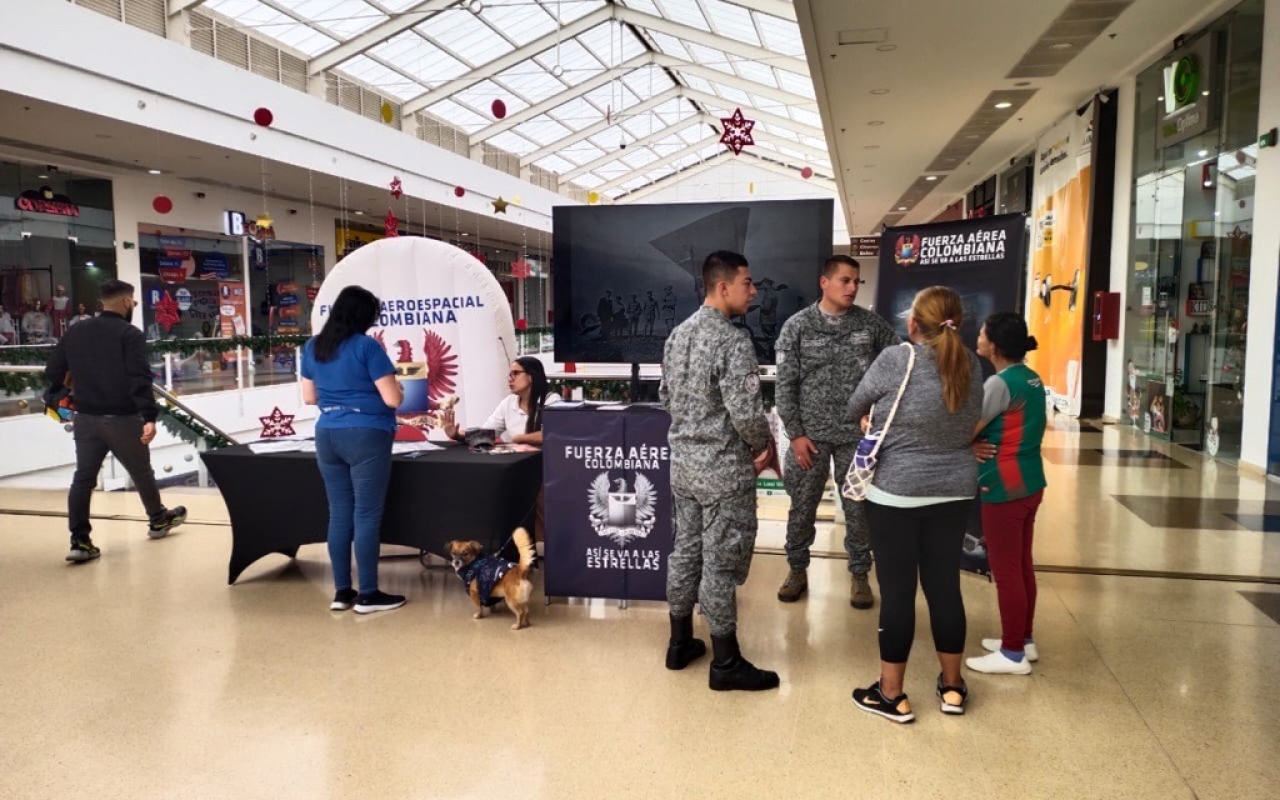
[492, 578]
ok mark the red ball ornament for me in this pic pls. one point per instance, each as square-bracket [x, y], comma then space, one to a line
[499, 109]
[264, 117]
[458, 191]
[806, 173]
[522, 324]
[162, 204]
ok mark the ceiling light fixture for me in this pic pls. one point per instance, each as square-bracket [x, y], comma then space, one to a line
[931, 177]
[1003, 104]
[902, 208]
[1202, 153]
[871, 147]
[43, 177]
[1023, 83]
[359, 213]
[875, 123]
[879, 91]
[886, 48]
[1061, 46]
[154, 171]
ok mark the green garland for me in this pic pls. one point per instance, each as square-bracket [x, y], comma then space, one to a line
[188, 429]
[188, 347]
[21, 382]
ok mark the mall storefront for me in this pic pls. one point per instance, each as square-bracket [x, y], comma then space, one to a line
[57, 232]
[1194, 167]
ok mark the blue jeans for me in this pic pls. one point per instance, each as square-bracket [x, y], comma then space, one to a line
[356, 466]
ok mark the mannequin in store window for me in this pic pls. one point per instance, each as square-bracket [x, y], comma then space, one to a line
[82, 313]
[36, 325]
[61, 307]
[8, 334]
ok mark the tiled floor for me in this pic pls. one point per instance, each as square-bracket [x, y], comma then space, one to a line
[144, 676]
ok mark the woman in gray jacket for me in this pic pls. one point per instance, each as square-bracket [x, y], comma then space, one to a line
[919, 499]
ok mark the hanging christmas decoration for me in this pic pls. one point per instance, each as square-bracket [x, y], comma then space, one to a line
[499, 109]
[264, 117]
[397, 189]
[515, 201]
[520, 269]
[737, 131]
[390, 225]
[388, 113]
[522, 324]
[593, 197]
[458, 191]
[277, 424]
[751, 187]
[167, 312]
[806, 173]
[162, 204]
[500, 206]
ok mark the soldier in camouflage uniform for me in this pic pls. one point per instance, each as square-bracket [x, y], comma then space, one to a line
[711, 388]
[823, 352]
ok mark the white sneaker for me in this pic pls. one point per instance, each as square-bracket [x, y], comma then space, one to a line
[998, 664]
[994, 645]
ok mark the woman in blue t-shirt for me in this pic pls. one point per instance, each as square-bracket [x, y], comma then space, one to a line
[348, 375]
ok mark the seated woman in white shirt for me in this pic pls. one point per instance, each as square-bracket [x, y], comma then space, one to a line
[518, 418]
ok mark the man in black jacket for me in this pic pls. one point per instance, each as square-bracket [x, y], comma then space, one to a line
[105, 359]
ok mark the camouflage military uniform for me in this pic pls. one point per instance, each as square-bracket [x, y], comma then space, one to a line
[821, 360]
[711, 387]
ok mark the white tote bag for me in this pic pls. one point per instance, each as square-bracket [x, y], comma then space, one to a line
[858, 479]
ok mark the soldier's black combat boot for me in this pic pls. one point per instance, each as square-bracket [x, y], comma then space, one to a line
[729, 670]
[683, 649]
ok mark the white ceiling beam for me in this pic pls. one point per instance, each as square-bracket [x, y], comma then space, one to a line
[774, 120]
[176, 7]
[670, 158]
[731, 46]
[603, 125]
[560, 99]
[517, 56]
[782, 9]
[781, 96]
[671, 180]
[376, 35]
[656, 136]
[789, 172]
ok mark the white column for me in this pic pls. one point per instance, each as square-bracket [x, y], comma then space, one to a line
[126, 198]
[1264, 268]
[1121, 239]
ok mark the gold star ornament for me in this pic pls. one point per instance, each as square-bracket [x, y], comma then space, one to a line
[500, 206]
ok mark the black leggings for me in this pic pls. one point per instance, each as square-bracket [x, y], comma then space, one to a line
[923, 541]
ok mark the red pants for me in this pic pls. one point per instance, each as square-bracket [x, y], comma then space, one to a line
[1008, 529]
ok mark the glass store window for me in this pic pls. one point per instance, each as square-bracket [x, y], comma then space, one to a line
[57, 244]
[1188, 282]
[204, 285]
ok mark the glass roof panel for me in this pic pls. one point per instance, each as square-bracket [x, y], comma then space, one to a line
[670, 45]
[708, 57]
[588, 181]
[522, 23]
[253, 16]
[345, 18]
[805, 116]
[756, 72]
[647, 6]
[732, 21]
[639, 158]
[531, 82]
[481, 97]
[684, 12]
[611, 44]
[543, 130]
[577, 114]
[512, 143]
[555, 163]
[571, 10]
[458, 116]
[780, 35]
[380, 79]
[420, 58]
[796, 84]
[576, 61]
[468, 37]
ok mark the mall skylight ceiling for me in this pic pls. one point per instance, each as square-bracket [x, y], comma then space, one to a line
[613, 95]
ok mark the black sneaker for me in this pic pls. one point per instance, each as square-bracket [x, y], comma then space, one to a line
[953, 697]
[83, 550]
[343, 600]
[378, 601]
[167, 521]
[872, 700]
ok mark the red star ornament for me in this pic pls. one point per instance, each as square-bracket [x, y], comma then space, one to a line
[390, 225]
[397, 189]
[277, 424]
[167, 312]
[737, 131]
[520, 269]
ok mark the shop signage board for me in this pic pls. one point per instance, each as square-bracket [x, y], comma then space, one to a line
[46, 201]
[865, 247]
[1187, 109]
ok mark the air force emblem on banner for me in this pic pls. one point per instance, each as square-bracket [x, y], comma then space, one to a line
[619, 514]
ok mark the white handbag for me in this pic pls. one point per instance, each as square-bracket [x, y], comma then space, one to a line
[863, 468]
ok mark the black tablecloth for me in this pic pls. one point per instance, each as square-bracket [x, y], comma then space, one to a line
[277, 501]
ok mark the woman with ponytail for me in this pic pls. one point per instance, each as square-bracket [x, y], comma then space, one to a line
[919, 499]
[1012, 485]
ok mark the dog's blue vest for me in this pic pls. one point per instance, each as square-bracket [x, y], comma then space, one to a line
[486, 572]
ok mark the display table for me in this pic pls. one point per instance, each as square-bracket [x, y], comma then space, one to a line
[277, 501]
